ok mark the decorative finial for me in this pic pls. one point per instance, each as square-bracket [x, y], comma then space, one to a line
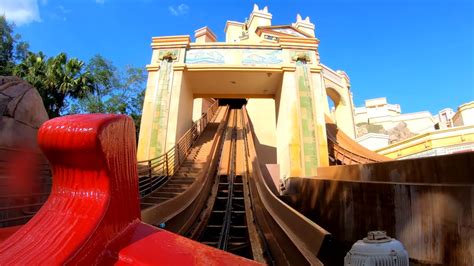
[255, 7]
[298, 17]
[307, 19]
[265, 9]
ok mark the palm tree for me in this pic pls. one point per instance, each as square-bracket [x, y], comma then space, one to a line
[55, 79]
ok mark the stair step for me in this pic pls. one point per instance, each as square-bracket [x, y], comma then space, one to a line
[183, 178]
[171, 189]
[173, 185]
[168, 195]
[181, 182]
[238, 243]
[214, 225]
[153, 200]
[146, 205]
[238, 226]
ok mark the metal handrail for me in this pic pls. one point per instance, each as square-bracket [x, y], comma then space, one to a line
[155, 171]
[17, 206]
[152, 173]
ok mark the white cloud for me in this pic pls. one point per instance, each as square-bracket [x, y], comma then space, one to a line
[179, 10]
[59, 13]
[64, 10]
[20, 11]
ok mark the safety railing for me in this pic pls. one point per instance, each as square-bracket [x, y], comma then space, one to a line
[154, 172]
[344, 156]
[25, 183]
[18, 208]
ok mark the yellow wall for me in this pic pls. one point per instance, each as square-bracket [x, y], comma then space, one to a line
[288, 151]
[233, 31]
[147, 117]
[320, 105]
[180, 117]
[197, 108]
[200, 106]
[262, 116]
[290, 128]
[343, 115]
[428, 141]
[465, 115]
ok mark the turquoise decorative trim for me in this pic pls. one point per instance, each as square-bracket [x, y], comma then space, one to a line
[261, 57]
[245, 56]
[204, 56]
[308, 122]
[161, 109]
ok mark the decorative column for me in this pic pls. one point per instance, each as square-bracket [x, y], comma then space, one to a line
[168, 54]
[303, 54]
[301, 130]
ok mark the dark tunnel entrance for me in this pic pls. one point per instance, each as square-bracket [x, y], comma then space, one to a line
[233, 103]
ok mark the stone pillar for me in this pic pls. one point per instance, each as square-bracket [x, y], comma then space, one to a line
[147, 114]
[345, 107]
[288, 128]
[301, 127]
[321, 104]
[180, 113]
[349, 123]
[301, 138]
[162, 97]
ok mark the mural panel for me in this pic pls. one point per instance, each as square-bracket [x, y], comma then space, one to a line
[234, 56]
[261, 57]
[204, 56]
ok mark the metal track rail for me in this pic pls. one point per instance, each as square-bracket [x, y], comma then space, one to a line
[242, 215]
[343, 150]
[290, 237]
[179, 212]
[224, 234]
[226, 225]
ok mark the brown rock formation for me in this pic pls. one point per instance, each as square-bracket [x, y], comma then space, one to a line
[399, 133]
[22, 113]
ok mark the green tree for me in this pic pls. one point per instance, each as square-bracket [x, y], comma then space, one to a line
[135, 79]
[117, 92]
[56, 79]
[12, 48]
[103, 99]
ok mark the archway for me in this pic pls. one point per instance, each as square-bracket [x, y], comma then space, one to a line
[342, 114]
[334, 101]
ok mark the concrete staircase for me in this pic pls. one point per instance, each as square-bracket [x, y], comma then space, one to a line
[188, 171]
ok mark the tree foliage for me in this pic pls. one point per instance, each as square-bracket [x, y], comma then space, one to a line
[12, 48]
[56, 79]
[117, 92]
[68, 85]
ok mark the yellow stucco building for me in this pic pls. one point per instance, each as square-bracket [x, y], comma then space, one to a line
[276, 68]
[429, 135]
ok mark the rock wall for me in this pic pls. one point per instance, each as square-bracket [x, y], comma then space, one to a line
[23, 170]
[22, 113]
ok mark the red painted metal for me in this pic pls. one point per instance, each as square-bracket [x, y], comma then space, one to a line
[92, 215]
[8, 231]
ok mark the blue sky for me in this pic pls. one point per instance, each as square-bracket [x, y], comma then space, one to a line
[417, 53]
